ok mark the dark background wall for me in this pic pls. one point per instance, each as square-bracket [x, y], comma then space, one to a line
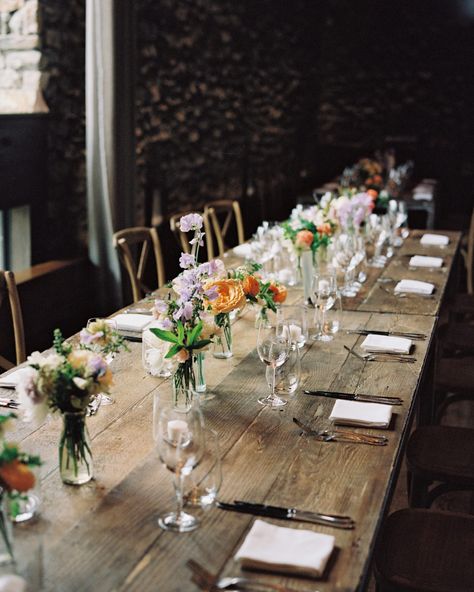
[264, 99]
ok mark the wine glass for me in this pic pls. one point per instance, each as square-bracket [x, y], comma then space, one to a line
[180, 442]
[202, 485]
[325, 291]
[273, 347]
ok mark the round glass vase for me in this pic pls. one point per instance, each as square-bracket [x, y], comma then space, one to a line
[223, 343]
[75, 456]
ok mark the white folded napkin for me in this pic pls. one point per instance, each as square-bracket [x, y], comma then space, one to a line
[439, 240]
[423, 196]
[12, 583]
[11, 380]
[422, 261]
[285, 550]
[244, 250]
[356, 413]
[132, 322]
[386, 343]
[413, 287]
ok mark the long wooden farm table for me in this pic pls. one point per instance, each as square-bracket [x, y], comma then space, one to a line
[104, 536]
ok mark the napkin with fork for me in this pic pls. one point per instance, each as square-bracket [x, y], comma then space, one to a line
[135, 323]
[439, 240]
[414, 287]
[356, 413]
[386, 344]
[422, 261]
[285, 550]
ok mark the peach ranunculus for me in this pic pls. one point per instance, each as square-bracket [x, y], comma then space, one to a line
[231, 295]
[373, 193]
[324, 229]
[279, 292]
[17, 476]
[250, 285]
[304, 239]
[182, 356]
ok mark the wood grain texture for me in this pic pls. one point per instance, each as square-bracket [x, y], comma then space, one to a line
[104, 535]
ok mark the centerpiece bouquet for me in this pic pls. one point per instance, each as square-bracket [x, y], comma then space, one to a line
[16, 479]
[64, 382]
[196, 311]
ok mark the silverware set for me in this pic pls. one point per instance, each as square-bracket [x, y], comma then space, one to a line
[9, 403]
[384, 400]
[407, 334]
[347, 436]
[212, 583]
[382, 357]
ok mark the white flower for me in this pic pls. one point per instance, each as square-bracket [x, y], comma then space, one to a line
[81, 383]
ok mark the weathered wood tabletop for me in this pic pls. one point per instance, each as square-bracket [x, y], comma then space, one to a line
[104, 535]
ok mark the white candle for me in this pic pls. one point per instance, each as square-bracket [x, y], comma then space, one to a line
[177, 428]
[323, 286]
[294, 332]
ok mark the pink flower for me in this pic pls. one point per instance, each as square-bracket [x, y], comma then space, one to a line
[190, 222]
[304, 239]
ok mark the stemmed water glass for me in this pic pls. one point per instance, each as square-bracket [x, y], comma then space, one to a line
[325, 292]
[273, 347]
[180, 443]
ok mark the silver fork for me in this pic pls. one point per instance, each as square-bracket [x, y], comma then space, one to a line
[342, 435]
[381, 357]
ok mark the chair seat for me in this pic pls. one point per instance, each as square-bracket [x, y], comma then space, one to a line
[426, 551]
[442, 453]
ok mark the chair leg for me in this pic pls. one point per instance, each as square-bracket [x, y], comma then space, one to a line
[417, 491]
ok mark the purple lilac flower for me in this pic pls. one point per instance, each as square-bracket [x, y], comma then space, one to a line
[197, 239]
[185, 311]
[161, 306]
[186, 260]
[190, 222]
[211, 293]
[165, 324]
[97, 366]
[87, 338]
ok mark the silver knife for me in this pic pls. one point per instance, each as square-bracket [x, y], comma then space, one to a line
[336, 521]
[357, 397]
[414, 336]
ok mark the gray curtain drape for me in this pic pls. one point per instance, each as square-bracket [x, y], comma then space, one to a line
[110, 145]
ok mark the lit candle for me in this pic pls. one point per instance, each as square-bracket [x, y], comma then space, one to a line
[177, 429]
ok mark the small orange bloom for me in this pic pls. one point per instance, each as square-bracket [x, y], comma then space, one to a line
[304, 239]
[378, 180]
[279, 293]
[251, 285]
[373, 193]
[324, 229]
[16, 475]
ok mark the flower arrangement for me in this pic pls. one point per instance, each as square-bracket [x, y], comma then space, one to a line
[64, 382]
[309, 228]
[16, 479]
[100, 335]
[351, 209]
[193, 313]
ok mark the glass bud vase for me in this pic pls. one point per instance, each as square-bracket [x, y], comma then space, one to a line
[307, 272]
[223, 342]
[75, 456]
[184, 385]
[198, 363]
[6, 532]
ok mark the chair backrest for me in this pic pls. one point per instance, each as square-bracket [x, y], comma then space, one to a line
[134, 245]
[469, 257]
[183, 238]
[9, 289]
[225, 212]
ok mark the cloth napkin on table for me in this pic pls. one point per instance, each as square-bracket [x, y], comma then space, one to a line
[12, 583]
[356, 413]
[285, 550]
[135, 323]
[386, 343]
[413, 287]
[244, 250]
[11, 380]
[422, 261]
[439, 240]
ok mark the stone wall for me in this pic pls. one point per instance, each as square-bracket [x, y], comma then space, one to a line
[226, 95]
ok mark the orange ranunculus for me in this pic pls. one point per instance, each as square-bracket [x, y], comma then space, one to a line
[377, 180]
[324, 229]
[304, 239]
[279, 292]
[231, 295]
[16, 475]
[373, 193]
[251, 286]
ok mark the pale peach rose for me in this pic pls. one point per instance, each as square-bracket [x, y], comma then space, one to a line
[182, 356]
[304, 239]
[231, 295]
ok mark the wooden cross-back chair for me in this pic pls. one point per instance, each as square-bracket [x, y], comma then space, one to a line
[223, 213]
[468, 255]
[8, 289]
[183, 238]
[136, 243]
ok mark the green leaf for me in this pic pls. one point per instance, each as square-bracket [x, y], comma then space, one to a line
[194, 334]
[165, 335]
[180, 327]
[200, 344]
[173, 350]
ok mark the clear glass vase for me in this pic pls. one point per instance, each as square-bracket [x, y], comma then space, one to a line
[6, 532]
[307, 271]
[223, 343]
[184, 385]
[75, 456]
[198, 363]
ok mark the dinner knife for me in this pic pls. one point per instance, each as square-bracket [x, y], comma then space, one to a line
[414, 336]
[344, 522]
[356, 397]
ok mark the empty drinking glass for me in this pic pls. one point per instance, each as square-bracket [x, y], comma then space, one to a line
[296, 318]
[325, 290]
[273, 346]
[202, 485]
